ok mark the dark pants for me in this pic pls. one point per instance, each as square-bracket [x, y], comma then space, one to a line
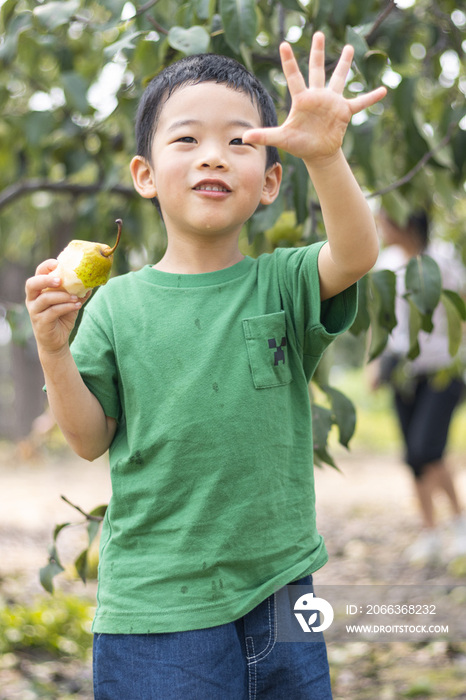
[424, 416]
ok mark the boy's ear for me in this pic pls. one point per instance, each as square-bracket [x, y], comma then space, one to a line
[143, 177]
[272, 181]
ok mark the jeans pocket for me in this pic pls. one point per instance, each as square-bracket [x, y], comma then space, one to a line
[267, 347]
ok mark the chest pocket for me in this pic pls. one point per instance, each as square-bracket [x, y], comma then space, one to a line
[267, 347]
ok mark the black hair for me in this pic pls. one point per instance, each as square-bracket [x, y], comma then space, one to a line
[192, 70]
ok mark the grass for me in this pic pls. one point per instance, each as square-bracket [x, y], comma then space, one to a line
[59, 625]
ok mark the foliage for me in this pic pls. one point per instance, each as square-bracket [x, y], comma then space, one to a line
[73, 72]
[59, 626]
[54, 565]
[423, 283]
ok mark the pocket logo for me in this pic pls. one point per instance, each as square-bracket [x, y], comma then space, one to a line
[279, 355]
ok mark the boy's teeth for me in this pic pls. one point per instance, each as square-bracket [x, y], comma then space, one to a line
[211, 188]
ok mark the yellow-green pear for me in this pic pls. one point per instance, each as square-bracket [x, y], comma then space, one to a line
[83, 265]
[285, 229]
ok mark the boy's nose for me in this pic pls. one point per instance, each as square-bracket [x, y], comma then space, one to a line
[214, 159]
[216, 165]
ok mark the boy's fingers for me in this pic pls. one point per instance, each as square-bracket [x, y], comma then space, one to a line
[56, 300]
[293, 75]
[47, 266]
[338, 80]
[357, 104]
[263, 137]
[36, 285]
[317, 61]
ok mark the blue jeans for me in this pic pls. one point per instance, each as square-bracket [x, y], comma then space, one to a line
[240, 660]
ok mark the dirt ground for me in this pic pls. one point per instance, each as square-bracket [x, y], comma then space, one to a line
[366, 513]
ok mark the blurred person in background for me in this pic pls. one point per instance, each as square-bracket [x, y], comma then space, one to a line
[426, 390]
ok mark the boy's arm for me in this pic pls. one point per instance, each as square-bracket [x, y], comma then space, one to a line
[352, 247]
[314, 131]
[77, 411]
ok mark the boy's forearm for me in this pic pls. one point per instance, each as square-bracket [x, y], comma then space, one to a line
[350, 227]
[77, 411]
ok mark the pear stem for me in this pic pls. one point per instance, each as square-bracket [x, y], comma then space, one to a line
[110, 251]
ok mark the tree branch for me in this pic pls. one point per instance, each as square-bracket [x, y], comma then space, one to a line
[419, 165]
[158, 27]
[379, 19]
[330, 67]
[19, 189]
[88, 516]
[144, 8]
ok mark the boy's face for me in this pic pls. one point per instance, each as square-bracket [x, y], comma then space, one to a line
[206, 179]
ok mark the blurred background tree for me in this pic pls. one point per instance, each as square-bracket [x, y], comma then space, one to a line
[72, 74]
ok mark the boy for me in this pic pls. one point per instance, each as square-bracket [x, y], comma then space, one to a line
[194, 373]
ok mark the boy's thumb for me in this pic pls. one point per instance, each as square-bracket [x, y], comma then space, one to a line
[260, 137]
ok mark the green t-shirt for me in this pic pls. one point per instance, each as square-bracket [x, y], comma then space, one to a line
[212, 505]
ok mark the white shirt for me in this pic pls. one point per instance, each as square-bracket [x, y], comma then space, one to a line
[434, 354]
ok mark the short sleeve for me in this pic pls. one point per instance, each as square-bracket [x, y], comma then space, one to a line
[316, 323]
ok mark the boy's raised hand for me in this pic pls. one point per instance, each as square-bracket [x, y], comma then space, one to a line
[319, 114]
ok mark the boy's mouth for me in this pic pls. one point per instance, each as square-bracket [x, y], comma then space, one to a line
[211, 185]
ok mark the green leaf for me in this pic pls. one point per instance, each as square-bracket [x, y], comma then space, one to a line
[323, 456]
[58, 529]
[360, 45]
[322, 422]
[92, 530]
[379, 339]
[442, 156]
[124, 44]
[362, 320]
[81, 565]
[75, 89]
[239, 22]
[99, 511]
[115, 7]
[344, 414]
[291, 5]
[38, 125]
[300, 187]
[423, 283]
[53, 14]
[455, 310]
[372, 65]
[265, 217]
[47, 573]
[381, 306]
[457, 301]
[384, 284]
[53, 552]
[415, 323]
[202, 8]
[189, 41]
[8, 11]
[8, 47]
[93, 526]
[427, 323]
[397, 207]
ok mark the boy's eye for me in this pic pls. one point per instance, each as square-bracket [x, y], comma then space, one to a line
[187, 139]
[237, 142]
